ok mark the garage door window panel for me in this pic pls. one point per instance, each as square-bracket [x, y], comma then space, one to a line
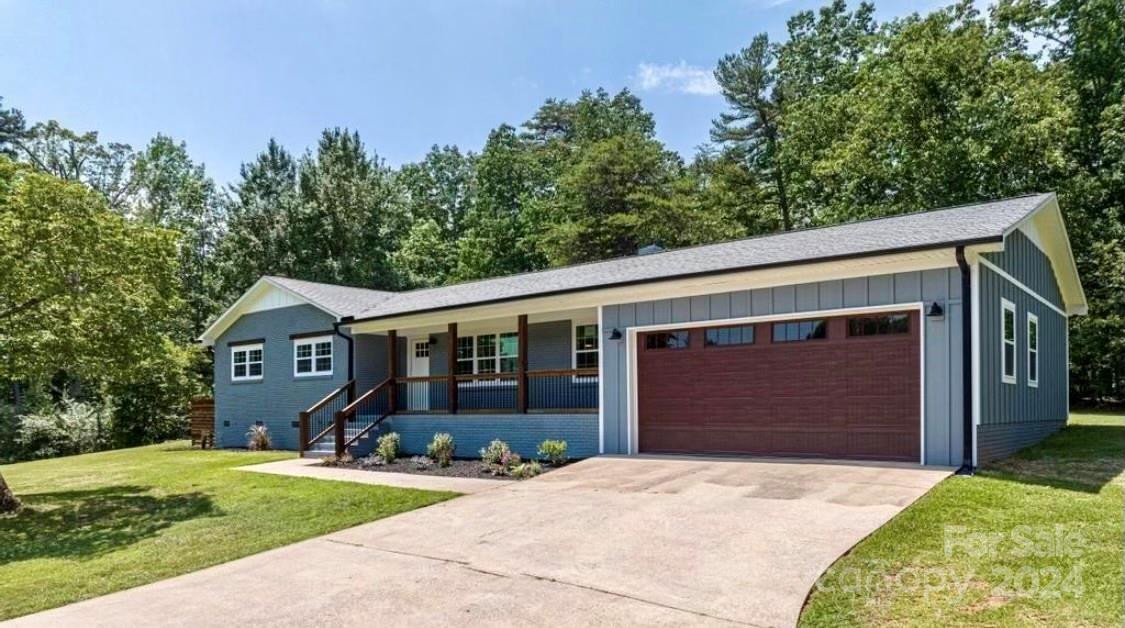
[668, 340]
[890, 324]
[800, 331]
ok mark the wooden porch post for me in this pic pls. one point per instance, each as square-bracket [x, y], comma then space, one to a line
[338, 433]
[392, 370]
[521, 365]
[451, 370]
[303, 432]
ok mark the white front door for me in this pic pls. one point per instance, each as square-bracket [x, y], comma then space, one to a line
[418, 393]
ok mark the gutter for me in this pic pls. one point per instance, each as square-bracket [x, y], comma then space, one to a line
[706, 273]
[966, 364]
[351, 345]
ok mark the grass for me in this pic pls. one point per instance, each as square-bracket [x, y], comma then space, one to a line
[99, 523]
[1036, 539]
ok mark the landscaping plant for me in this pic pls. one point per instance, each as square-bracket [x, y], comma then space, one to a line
[527, 470]
[388, 446]
[553, 451]
[441, 449]
[258, 438]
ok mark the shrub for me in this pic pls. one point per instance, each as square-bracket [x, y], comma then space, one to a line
[441, 449]
[258, 438]
[71, 427]
[553, 451]
[527, 470]
[332, 461]
[421, 462]
[492, 454]
[388, 446]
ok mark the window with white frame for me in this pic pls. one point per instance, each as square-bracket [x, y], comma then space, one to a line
[586, 346]
[1032, 350]
[312, 356]
[246, 362]
[487, 353]
[1007, 341]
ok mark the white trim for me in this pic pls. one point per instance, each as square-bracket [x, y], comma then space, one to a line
[248, 348]
[1015, 282]
[574, 325]
[314, 340]
[1005, 307]
[244, 305]
[1031, 318]
[1048, 230]
[601, 383]
[922, 383]
[631, 414]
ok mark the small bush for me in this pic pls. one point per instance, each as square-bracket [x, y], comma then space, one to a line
[71, 427]
[441, 449]
[421, 462]
[492, 454]
[388, 446]
[332, 461]
[258, 438]
[527, 470]
[553, 451]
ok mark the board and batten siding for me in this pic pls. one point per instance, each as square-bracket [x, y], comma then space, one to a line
[1016, 415]
[279, 396]
[942, 390]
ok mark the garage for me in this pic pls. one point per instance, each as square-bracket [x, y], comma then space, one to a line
[832, 387]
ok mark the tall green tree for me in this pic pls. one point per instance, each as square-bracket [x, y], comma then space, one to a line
[260, 212]
[496, 239]
[1082, 42]
[82, 289]
[439, 192]
[342, 228]
[173, 192]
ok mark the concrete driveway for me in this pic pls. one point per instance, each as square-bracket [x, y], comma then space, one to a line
[617, 541]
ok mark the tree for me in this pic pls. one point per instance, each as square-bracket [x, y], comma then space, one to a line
[1083, 42]
[342, 228]
[81, 288]
[439, 192]
[8, 501]
[260, 212]
[173, 192]
[496, 239]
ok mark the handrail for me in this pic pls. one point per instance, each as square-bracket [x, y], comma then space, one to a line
[558, 372]
[320, 415]
[351, 407]
[485, 376]
[330, 396]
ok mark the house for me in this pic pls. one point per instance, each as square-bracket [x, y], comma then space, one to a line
[937, 338]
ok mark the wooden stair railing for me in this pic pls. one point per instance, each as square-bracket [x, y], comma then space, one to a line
[366, 412]
[319, 419]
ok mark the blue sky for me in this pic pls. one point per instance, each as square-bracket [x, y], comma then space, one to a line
[225, 76]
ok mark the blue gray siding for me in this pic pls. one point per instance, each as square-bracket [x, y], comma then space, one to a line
[523, 432]
[942, 388]
[276, 399]
[1016, 415]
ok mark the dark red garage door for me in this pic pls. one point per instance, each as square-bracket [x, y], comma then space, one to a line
[845, 387]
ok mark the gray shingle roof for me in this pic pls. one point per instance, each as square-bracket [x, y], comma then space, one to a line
[932, 229]
[343, 300]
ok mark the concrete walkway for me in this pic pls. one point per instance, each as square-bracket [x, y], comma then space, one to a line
[311, 468]
[607, 541]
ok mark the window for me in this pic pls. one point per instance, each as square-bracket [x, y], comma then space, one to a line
[487, 353]
[800, 330]
[422, 349]
[724, 336]
[246, 362]
[1007, 341]
[312, 356]
[1032, 350]
[585, 346]
[667, 340]
[879, 325]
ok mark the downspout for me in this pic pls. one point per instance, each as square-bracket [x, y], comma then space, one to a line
[351, 344]
[967, 364]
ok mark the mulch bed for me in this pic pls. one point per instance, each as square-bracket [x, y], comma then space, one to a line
[458, 469]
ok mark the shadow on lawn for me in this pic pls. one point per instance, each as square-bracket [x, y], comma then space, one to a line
[85, 524]
[1078, 458]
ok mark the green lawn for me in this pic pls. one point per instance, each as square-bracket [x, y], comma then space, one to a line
[1036, 539]
[102, 522]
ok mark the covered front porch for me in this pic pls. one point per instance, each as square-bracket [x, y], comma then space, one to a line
[522, 378]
